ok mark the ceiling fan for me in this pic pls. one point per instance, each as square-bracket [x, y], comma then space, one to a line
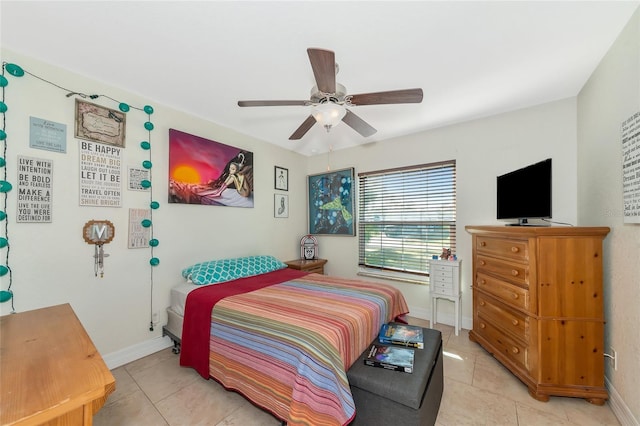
[330, 99]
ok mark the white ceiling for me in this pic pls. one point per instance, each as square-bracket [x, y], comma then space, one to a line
[472, 59]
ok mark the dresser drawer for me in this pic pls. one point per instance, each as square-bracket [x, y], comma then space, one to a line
[506, 248]
[508, 293]
[441, 271]
[501, 317]
[445, 288]
[443, 280]
[513, 272]
[500, 342]
[316, 270]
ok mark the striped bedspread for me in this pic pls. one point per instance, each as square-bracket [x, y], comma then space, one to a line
[287, 347]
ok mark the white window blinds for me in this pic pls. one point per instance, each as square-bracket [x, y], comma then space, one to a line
[406, 215]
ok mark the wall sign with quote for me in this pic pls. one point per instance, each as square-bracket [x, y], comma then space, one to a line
[139, 235]
[631, 168]
[35, 189]
[100, 170]
[47, 135]
[136, 176]
[100, 124]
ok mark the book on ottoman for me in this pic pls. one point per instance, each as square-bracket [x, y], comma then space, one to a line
[401, 334]
[390, 357]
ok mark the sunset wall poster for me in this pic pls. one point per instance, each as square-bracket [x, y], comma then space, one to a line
[206, 172]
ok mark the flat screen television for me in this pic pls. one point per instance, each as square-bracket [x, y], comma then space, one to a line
[525, 193]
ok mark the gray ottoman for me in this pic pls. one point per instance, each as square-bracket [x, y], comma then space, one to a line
[385, 397]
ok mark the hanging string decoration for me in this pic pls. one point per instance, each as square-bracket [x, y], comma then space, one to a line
[5, 185]
[154, 205]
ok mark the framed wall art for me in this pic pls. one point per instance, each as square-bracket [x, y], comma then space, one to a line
[281, 206]
[331, 204]
[206, 172]
[281, 178]
[100, 124]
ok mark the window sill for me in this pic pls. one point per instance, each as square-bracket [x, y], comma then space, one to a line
[393, 276]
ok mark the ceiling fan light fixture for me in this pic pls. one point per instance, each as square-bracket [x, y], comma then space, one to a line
[329, 114]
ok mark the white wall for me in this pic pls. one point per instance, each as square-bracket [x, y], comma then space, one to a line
[52, 264]
[483, 149]
[612, 95]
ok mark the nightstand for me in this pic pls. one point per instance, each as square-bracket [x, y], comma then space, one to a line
[445, 284]
[314, 265]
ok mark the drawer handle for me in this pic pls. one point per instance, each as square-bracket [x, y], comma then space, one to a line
[482, 325]
[482, 303]
[483, 281]
[482, 262]
[515, 350]
[515, 322]
[515, 296]
[515, 273]
[515, 249]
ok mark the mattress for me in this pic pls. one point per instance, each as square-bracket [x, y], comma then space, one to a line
[178, 297]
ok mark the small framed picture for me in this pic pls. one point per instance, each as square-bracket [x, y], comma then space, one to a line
[281, 178]
[281, 206]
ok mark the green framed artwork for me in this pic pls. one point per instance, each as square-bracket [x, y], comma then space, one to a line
[331, 204]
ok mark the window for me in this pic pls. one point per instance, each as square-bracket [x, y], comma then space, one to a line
[406, 216]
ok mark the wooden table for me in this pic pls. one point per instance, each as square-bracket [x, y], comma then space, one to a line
[314, 265]
[50, 371]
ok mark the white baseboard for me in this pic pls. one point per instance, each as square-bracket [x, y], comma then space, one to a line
[135, 352]
[619, 407]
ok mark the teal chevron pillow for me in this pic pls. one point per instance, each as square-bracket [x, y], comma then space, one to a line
[222, 270]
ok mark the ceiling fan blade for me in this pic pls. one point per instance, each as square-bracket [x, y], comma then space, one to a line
[303, 129]
[407, 96]
[271, 103]
[323, 63]
[358, 124]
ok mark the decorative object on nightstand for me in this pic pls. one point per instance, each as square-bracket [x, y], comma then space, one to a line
[309, 247]
[314, 265]
[445, 284]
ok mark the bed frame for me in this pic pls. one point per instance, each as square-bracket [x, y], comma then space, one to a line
[173, 330]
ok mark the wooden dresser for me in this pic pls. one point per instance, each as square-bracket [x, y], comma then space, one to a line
[538, 306]
[50, 371]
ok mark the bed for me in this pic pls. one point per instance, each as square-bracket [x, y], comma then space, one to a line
[283, 338]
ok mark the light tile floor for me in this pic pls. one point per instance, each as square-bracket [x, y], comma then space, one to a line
[478, 390]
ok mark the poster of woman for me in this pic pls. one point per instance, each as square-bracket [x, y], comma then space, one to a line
[202, 171]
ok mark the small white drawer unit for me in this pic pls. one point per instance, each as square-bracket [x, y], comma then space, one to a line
[445, 284]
